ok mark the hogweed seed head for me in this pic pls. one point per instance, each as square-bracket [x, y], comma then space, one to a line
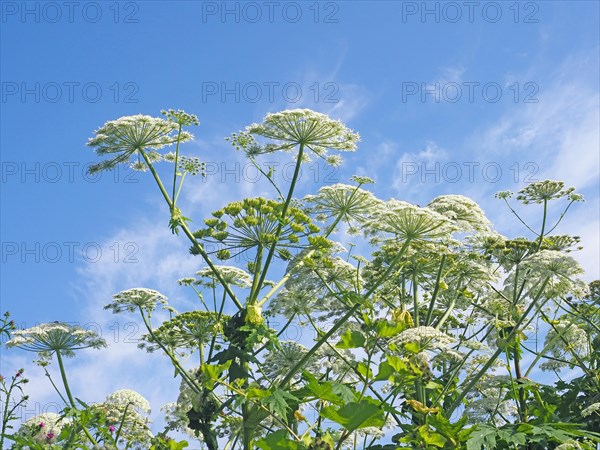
[543, 191]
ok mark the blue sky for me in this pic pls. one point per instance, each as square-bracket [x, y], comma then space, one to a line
[448, 98]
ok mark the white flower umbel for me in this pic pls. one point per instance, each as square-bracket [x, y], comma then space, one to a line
[571, 445]
[428, 338]
[304, 127]
[126, 136]
[44, 428]
[593, 408]
[127, 411]
[189, 330]
[133, 299]
[49, 338]
[565, 341]
[462, 211]
[559, 269]
[280, 361]
[350, 203]
[230, 274]
[543, 191]
[128, 397]
[407, 221]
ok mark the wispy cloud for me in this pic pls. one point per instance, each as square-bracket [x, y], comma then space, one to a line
[418, 171]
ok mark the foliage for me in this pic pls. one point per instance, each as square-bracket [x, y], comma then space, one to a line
[423, 344]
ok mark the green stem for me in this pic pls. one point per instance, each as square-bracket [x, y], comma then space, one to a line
[55, 388]
[281, 222]
[214, 337]
[63, 374]
[447, 313]
[518, 217]
[175, 168]
[496, 354]
[435, 291]
[415, 289]
[7, 413]
[189, 234]
[343, 319]
[174, 361]
[121, 424]
[519, 376]
[257, 272]
[283, 280]
[543, 225]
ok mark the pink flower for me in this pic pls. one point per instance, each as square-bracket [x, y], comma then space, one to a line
[41, 425]
[111, 428]
[49, 436]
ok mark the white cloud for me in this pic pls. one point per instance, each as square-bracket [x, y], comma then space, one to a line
[419, 171]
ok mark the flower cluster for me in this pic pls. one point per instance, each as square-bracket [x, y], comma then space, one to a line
[252, 223]
[44, 429]
[313, 130]
[593, 408]
[554, 268]
[279, 361]
[316, 282]
[351, 203]
[49, 338]
[462, 211]
[543, 191]
[189, 330]
[191, 165]
[180, 117]
[406, 221]
[489, 399]
[567, 338]
[130, 135]
[233, 276]
[130, 409]
[426, 338]
[137, 298]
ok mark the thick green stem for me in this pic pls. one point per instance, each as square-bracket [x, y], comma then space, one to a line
[174, 361]
[343, 319]
[446, 314]
[63, 375]
[281, 223]
[543, 225]
[435, 291]
[175, 168]
[496, 354]
[329, 230]
[190, 235]
[519, 377]
[415, 289]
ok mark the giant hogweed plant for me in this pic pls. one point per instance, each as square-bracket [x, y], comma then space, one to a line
[431, 340]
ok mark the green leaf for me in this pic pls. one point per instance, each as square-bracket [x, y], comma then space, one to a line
[354, 416]
[385, 371]
[329, 391]
[352, 339]
[412, 347]
[353, 298]
[483, 436]
[278, 403]
[364, 370]
[431, 438]
[389, 328]
[279, 441]
[213, 372]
